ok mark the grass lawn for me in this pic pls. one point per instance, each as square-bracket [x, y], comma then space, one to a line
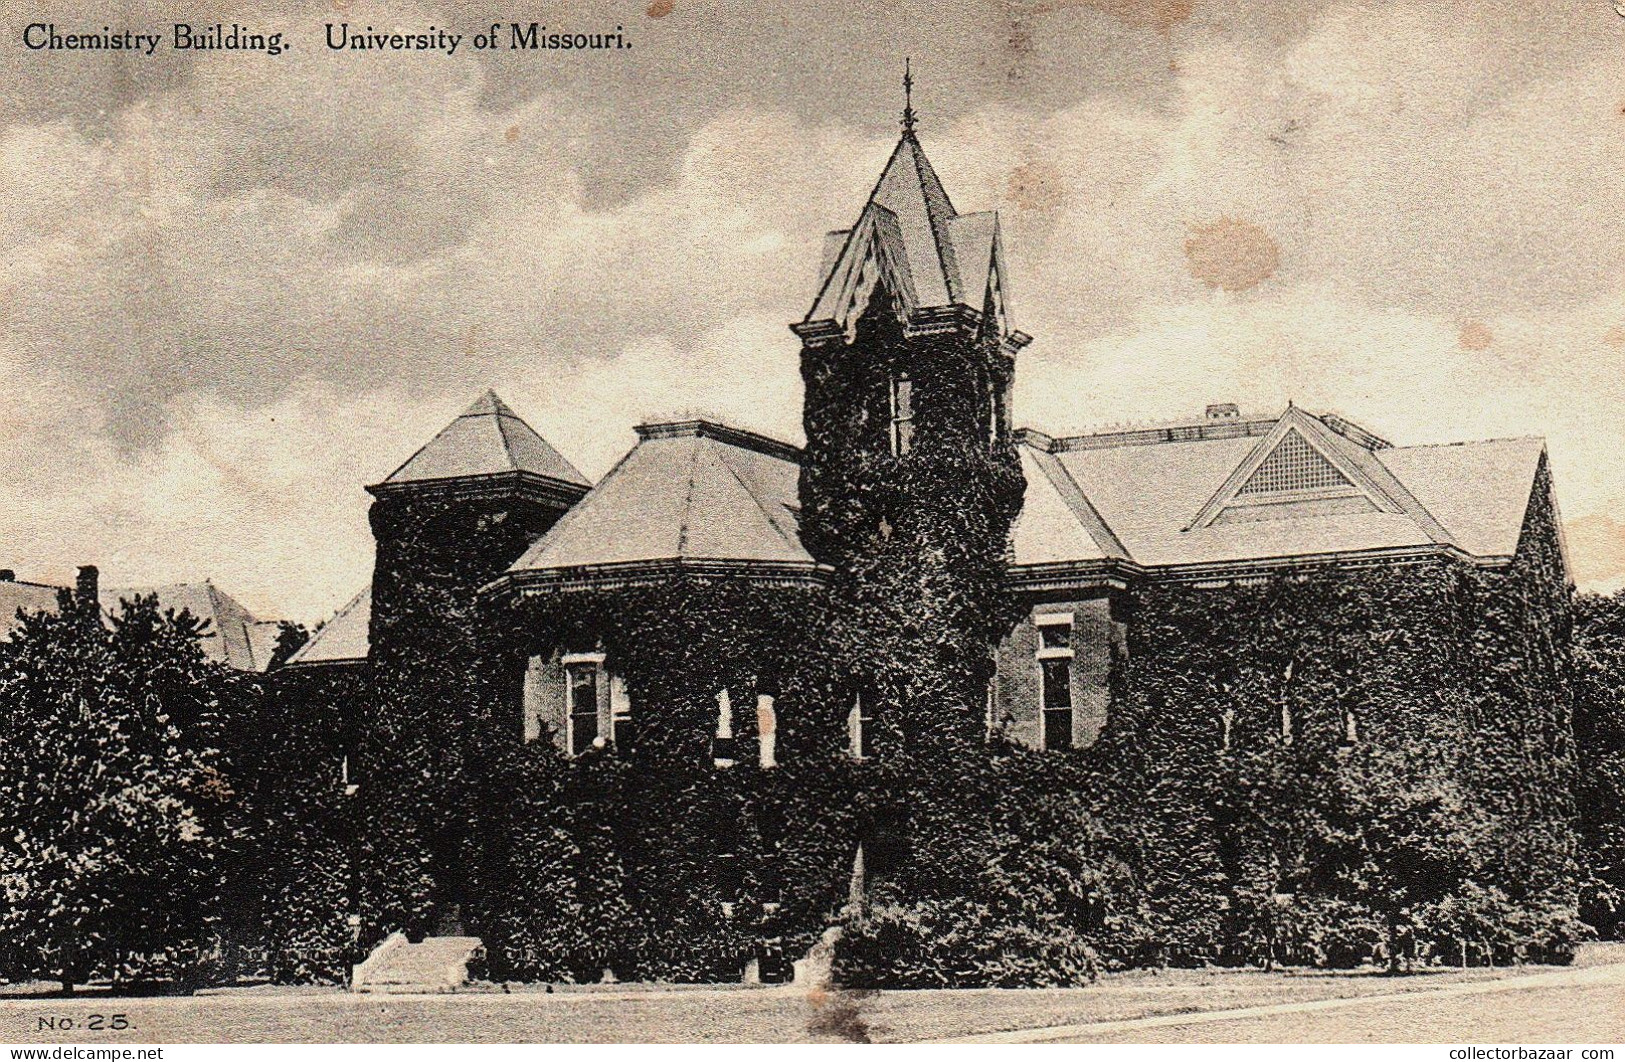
[721, 1014]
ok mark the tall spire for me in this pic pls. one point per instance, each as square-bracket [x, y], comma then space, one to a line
[908, 98]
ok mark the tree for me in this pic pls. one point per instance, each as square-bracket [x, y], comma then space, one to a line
[115, 807]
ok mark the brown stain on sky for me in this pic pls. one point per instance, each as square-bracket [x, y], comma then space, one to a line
[1231, 254]
[1475, 335]
[660, 8]
[512, 134]
[1615, 337]
[1037, 185]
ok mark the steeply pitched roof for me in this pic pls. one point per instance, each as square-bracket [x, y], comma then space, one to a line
[1471, 488]
[700, 494]
[691, 494]
[230, 638]
[909, 234]
[343, 639]
[488, 439]
[233, 635]
[1173, 496]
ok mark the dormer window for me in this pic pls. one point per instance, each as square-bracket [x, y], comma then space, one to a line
[902, 414]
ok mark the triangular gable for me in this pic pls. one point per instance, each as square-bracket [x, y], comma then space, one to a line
[1302, 466]
[1292, 467]
[874, 256]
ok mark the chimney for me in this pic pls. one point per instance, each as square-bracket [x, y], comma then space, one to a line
[1223, 411]
[7, 575]
[88, 587]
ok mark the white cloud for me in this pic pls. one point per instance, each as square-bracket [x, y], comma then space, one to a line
[230, 301]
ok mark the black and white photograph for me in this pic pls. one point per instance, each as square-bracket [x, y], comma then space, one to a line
[687, 521]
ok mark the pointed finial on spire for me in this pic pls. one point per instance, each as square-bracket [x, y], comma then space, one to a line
[908, 98]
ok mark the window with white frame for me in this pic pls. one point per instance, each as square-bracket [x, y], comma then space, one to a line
[583, 674]
[902, 413]
[1055, 679]
[998, 414]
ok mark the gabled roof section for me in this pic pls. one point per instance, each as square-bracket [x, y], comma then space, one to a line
[909, 237]
[1146, 487]
[232, 635]
[344, 639]
[487, 439]
[1479, 490]
[18, 596]
[691, 495]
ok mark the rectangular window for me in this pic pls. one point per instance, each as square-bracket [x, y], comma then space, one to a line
[858, 722]
[1057, 703]
[621, 727]
[581, 692]
[767, 731]
[722, 744]
[1055, 679]
[997, 415]
[902, 414]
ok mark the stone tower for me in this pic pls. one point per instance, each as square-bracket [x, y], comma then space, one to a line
[910, 482]
[447, 522]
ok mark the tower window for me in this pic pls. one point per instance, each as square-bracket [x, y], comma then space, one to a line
[998, 413]
[859, 721]
[581, 703]
[902, 414]
[1055, 679]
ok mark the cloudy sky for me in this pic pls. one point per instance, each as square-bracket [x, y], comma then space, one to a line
[235, 288]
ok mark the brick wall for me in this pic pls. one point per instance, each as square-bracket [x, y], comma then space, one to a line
[1018, 686]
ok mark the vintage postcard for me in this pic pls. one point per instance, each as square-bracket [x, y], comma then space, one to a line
[675, 521]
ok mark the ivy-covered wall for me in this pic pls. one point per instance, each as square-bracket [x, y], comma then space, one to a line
[435, 718]
[1343, 765]
[647, 858]
[310, 721]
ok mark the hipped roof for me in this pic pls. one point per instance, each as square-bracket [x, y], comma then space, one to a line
[694, 493]
[487, 439]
